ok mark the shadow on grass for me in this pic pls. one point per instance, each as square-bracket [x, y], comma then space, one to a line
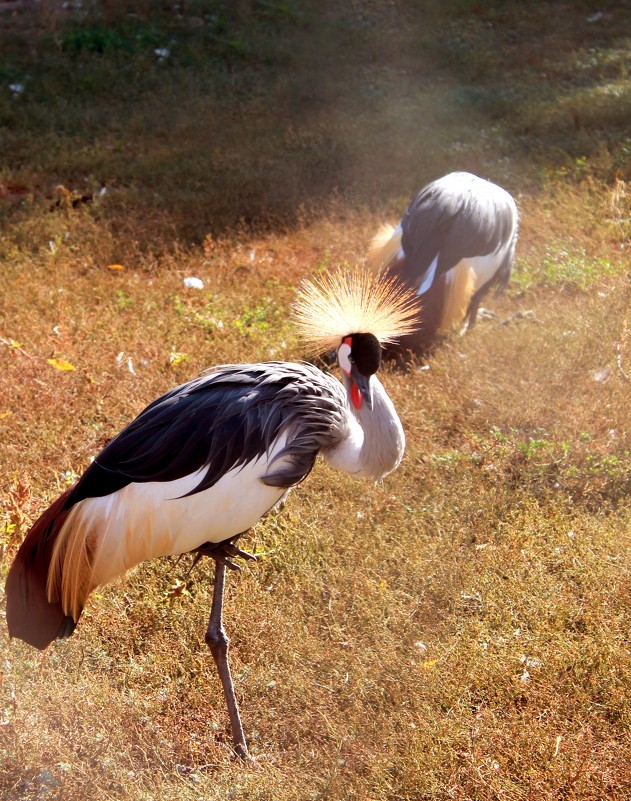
[214, 115]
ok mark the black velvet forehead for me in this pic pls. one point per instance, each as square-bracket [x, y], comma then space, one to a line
[366, 353]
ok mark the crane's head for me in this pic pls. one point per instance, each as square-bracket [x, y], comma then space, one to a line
[359, 357]
[380, 309]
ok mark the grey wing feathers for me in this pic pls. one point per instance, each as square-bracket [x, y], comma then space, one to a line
[455, 217]
[221, 420]
[315, 420]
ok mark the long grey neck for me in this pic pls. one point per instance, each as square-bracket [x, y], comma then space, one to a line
[384, 440]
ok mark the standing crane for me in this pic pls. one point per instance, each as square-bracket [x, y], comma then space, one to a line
[456, 241]
[203, 463]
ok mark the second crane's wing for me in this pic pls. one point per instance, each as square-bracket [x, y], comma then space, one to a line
[452, 220]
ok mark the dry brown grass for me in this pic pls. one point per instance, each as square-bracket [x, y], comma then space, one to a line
[457, 632]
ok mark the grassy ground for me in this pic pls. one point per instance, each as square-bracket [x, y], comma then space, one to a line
[457, 632]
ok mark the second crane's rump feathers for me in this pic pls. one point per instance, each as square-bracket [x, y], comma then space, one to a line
[385, 248]
[355, 301]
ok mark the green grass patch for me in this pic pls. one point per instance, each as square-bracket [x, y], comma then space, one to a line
[562, 267]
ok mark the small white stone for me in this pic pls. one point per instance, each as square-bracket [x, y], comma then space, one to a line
[193, 283]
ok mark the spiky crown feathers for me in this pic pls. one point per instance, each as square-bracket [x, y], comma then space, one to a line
[346, 302]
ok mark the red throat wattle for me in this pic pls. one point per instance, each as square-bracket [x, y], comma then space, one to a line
[356, 396]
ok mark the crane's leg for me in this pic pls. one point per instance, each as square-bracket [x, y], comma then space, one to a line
[472, 312]
[218, 642]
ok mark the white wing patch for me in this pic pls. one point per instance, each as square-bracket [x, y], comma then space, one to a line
[148, 520]
[485, 267]
[429, 276]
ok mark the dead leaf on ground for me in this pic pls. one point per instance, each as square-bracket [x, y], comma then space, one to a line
[61, 364]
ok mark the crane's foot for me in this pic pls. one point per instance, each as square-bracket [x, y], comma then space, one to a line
[223, 553]
[484, 314]
[527, 314]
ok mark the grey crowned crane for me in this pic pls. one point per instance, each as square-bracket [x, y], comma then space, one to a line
[204, 462]
[456, 241]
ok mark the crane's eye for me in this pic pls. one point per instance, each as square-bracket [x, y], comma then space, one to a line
[344, 357]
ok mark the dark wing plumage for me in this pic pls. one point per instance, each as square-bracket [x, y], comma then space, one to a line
[221, 420]
[455, 217]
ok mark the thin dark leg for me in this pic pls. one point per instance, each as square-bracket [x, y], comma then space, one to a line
[218, 643]
[472, 312]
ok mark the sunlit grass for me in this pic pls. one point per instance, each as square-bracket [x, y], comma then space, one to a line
[562, 267]
[459, 631]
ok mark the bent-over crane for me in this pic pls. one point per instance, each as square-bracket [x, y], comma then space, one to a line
[455, 242]
[204, 462]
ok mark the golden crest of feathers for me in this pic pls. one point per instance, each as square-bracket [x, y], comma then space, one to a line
[353, 301]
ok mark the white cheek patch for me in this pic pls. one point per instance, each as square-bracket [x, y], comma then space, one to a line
[343, 354]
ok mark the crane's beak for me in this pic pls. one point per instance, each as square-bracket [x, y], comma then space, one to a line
[364, 388]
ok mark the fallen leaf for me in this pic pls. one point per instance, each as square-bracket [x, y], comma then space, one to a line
[61, 364]
[176, 359]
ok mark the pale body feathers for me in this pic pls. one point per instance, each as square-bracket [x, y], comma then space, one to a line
[104, 537]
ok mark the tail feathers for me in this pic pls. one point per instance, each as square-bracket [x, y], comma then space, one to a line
[30, 614]
[384, 247]
[460, 283]
[70, 572]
